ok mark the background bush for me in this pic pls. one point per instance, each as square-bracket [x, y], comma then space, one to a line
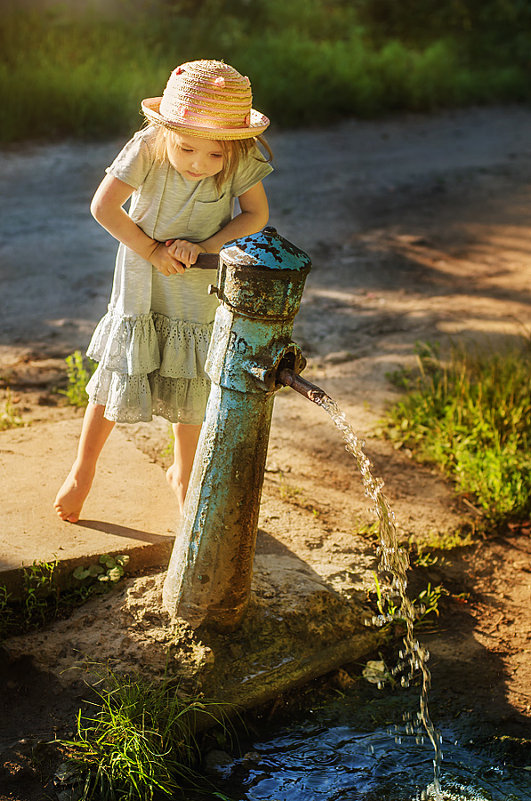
[82, 73]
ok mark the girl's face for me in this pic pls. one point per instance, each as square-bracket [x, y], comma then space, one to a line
[193, 157]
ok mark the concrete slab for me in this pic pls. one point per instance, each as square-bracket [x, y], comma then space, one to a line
[296, 628]
[130, 508]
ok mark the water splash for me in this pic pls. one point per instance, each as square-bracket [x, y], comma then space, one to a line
[394, 560]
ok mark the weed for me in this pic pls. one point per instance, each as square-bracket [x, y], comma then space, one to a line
[445, 541]
[422, 549]
[42, 600]
[40, 594]
[107, 569]
[426, 603]
[9, 417]
[472, 417]
[4, 598]
[425, 559]
[289, 492]
[78, 371]
[139, 742]
[369, 530]
[462, 597]
[7, 617]
[388, 610]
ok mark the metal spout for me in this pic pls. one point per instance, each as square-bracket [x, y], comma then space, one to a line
[289, 378]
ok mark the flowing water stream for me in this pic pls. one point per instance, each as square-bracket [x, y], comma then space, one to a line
[330, 760]
[394, 562]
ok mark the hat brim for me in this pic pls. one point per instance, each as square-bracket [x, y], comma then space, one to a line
[258, 124]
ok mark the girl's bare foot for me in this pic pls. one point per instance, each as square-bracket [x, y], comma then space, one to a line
[71, 496]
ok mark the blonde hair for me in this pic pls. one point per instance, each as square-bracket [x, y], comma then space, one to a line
[234, 150]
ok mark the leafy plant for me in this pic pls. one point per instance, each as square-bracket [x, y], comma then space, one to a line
[38, 603]
[387, 608]
[471, 416]
[425, 559]
[426, 603]
[40, 594]
[107, 569]
[9, 416]
[78, 372]
[138, 741]
[369, 530]
[6, 612]
[42, 599]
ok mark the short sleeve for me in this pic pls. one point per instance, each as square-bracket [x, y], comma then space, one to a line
[134, 161]
[250, 171]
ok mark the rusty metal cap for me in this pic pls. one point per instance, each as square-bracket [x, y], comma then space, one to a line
[266, 250]
[262, 276]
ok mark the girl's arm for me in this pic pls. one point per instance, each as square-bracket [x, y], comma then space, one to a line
[252, 218]
[107, 209]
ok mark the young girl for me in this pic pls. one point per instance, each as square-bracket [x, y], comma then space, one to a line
[182, 171]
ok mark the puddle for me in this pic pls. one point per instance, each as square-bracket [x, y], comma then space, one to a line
[309, 762]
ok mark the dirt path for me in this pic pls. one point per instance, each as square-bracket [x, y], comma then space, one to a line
[418, 228]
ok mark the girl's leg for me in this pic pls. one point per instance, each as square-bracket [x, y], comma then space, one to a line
[71, 496]
[186, 437]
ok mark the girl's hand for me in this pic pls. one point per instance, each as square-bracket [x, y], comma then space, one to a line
[164, 261]
[184, 251]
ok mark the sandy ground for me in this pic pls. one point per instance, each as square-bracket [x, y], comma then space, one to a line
[418, 229]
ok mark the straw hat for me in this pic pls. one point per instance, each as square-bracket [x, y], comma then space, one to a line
[208, 99]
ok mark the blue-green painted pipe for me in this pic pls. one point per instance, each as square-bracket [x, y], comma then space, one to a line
[259, 284]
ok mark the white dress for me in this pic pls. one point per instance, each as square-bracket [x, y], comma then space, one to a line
[152, 343]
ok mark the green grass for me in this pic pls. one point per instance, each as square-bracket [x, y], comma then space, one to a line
[38, 602]
[138, 741]
[42, 600]
[472, 416]
[309, 61]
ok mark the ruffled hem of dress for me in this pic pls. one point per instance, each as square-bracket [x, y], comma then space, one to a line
[136, 345]
[136, 398]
